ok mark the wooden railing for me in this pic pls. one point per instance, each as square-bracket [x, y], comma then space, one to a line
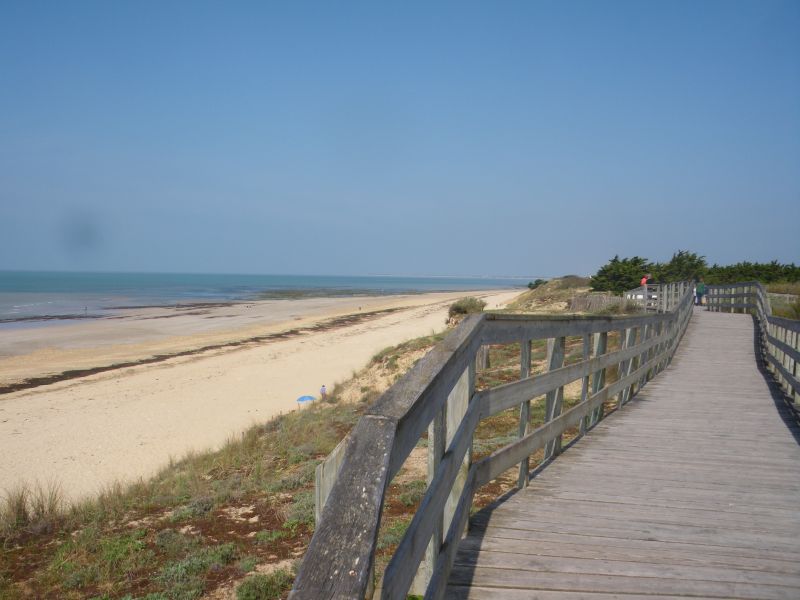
[779, 338]
[438, 396]
[658, 298]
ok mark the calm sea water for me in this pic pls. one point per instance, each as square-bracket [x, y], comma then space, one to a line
[25, 295]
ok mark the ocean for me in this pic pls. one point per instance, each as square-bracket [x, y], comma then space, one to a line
[30, 296]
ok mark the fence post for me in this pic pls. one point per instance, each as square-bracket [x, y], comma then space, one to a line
[796, 369]
[599, 377]
[647, 333]
[524, 410]
[555, 353]
[437, 436]
[587, 349]
[625, 365]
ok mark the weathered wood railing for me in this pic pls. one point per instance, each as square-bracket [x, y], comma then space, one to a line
[438, 396]
[779, 337]
[658, 298]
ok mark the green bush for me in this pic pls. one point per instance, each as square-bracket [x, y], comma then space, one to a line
[466, 306]
[412, 493]
[535, 284]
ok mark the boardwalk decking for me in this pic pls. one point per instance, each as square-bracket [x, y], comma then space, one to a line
[692, 489]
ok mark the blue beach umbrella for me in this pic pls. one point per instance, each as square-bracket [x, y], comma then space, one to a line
[303, 399]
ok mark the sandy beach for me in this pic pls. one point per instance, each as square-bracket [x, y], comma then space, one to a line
[191, 378]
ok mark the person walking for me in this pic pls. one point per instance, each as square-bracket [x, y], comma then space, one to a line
[700, 291]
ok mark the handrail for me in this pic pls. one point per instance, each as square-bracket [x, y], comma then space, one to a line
[654, 297]
[779, 338]
[438, 395]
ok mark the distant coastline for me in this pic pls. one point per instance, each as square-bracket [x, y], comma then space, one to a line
[30, 296]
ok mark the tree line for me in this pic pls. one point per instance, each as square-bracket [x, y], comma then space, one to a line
[621, 274]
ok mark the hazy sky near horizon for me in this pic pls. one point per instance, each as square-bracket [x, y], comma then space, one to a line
[519, 138]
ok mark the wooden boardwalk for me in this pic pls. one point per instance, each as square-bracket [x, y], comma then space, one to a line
[692, 489]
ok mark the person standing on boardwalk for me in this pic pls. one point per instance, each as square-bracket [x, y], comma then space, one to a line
[643, 282]
[700, 291]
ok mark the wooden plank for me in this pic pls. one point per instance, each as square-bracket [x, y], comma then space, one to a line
[653, 553]
[508, 328]
[518, 579]
[587, 538]
[525, 561]
[481, 593]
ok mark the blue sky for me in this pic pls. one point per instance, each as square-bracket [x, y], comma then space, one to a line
[408, 138]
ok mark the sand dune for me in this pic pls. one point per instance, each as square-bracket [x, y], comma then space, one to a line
[121, 424]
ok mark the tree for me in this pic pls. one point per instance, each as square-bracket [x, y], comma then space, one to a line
[534, 284]
[683, 266]
[620, 275]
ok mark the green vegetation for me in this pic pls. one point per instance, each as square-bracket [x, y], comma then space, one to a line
[265, 587]
[621, 274]
[784, 288]
[89, 548]
[532, 285]
[545, 297]
[620, 308]
[767, 273]
[786, 308]
[466, 306]
[391, 533]
[412, 493]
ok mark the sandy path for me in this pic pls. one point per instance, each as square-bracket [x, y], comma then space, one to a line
[124, 424]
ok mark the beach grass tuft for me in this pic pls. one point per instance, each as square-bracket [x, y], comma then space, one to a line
[265, 586]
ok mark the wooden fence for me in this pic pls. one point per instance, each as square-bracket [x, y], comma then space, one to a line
[779, 338]
[438, 396]
[657, 298]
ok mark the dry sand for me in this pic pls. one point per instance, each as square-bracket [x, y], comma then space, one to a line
[125, 423]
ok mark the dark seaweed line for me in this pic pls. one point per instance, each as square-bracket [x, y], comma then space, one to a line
[345, 320]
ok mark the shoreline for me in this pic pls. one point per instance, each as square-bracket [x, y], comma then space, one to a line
[123, 423]
[33, 351]
[35, 382]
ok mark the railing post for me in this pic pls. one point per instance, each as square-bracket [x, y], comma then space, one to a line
[599, 377]
[556, 348]
[482, 358]
[771, 329]
[437, 443]
[440, 434]
[785, 358]
[625, 365]
[457, 405]
[524, 410]
[587, 349]
[796, 368]
[646, 335]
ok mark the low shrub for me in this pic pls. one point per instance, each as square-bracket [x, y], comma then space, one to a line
[265, 587]
[466, 306]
